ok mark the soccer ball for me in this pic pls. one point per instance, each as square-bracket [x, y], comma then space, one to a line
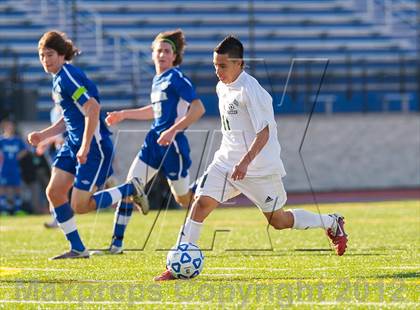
[185, 261]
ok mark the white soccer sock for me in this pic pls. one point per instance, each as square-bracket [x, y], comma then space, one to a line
[190, 232]
[305, 219]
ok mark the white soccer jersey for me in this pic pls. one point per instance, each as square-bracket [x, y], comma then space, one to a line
[245, 109]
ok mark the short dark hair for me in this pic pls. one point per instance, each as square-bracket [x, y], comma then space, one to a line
[231, 46]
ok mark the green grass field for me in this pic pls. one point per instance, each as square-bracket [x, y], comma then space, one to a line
[246, 268]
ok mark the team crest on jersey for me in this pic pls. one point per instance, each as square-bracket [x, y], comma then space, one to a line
[231, 109]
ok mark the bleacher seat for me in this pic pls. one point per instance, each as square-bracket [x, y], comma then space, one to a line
[366, 59]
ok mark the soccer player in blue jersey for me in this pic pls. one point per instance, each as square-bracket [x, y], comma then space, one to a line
[84, 160]
[12, 148]
[174, 106]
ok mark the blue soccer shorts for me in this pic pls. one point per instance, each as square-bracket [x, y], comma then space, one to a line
[174, 160]
[94, 172]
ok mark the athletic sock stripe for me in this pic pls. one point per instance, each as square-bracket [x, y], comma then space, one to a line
[123, 220]
[68, 226]
[115, 195]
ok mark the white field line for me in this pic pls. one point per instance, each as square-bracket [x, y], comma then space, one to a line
[29, 251]
[316, 268]
[322, 303]
[216, 269]
[34, 269]
[221, 268]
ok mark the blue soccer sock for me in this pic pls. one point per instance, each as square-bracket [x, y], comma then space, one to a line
[18, 202]
[122, 217]
[67, 222]
[112, 195]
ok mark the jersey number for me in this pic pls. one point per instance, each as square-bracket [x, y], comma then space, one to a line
[157, 109]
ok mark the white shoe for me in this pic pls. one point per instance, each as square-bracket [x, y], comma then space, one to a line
[139, 197]
[72, 254]
[115, 249]
[112, 250]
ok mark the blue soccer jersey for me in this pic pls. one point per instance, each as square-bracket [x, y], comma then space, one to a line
[10, 169]
[171, 96]
[172, 93]
[71, 90]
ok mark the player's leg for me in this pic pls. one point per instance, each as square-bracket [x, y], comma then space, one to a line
[300, 219]
[17, 199]
[53, 222]
[191, 230]
[57, 193]
[201, 208]
[269, 195]
[213, 188]
[133, 188]
[176, 169]
[93, 174]
[8, 199]
[124, 210]
[3, 198]
[181, 190]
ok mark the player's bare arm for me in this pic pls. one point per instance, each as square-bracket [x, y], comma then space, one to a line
[142, 114]
[194, 113]
[240, 169]
[91, 110]
[36, 137]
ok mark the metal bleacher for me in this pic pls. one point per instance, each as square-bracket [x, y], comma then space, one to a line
[370, 45]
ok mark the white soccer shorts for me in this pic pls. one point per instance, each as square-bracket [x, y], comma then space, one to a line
[266, 192]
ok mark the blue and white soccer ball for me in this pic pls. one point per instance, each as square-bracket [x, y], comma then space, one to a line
[185, 261]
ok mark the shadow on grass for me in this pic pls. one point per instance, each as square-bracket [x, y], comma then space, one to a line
[312, 250]
[401, 275]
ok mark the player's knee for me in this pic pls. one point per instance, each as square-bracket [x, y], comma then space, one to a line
[200, 210]
[54, 195]
[184, 201]
[79, 207]
[278, 224]
[282, 222]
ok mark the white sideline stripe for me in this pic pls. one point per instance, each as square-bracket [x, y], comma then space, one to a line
[102, 302]
[34, 269]
[68, 226]
[251, 268]
[316, 268]
[204, 274]
[30, 251]
[326, 303]
[123, 219]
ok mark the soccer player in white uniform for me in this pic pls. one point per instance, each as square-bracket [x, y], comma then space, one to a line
[248, 160]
